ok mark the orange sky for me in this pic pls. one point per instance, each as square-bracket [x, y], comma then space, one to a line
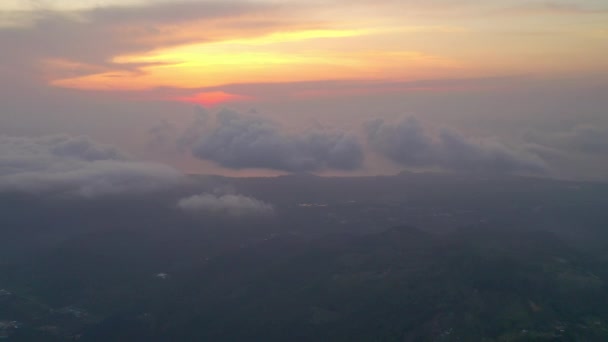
[294, 41]
[103, 68]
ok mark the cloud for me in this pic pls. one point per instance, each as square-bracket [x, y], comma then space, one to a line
[233, 205]
[161, 135]
[76, 166]
[195, 130]
[175, 11]
[553, 7]
[479, 7]
[88, 39]
[50, 46]
[238, 141]
[587, 139]
[406, 142]
[409, 143]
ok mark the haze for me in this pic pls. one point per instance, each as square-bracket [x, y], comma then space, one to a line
[527, 78]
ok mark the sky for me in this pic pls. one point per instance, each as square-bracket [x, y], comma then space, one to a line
[269, 87]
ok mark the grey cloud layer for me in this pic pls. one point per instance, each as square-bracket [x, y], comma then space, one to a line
[231, 205]
[238, 141]
[76, 166]
[408, 143]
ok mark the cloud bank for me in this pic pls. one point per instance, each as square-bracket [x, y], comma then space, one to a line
[232, 205]
[76, 166]
[409, 143]
[238, 142]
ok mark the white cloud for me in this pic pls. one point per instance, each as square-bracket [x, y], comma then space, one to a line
[233, 205]
[76, 166]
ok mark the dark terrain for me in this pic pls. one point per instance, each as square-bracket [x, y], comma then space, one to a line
[414, 257]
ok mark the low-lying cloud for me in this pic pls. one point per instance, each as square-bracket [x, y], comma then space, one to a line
[76, 166]
[232, 205]
[586, 139]
[238, 142]
[409, 143]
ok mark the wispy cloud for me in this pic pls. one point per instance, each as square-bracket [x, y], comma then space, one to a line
[95, 36]
[553, 8]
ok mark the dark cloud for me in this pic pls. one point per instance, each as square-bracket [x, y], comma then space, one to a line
[238, 141]
[409, 143]
[76, 166]
[233, 205]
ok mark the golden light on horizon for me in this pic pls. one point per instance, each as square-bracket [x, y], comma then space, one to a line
[260, 59]
[298, 54]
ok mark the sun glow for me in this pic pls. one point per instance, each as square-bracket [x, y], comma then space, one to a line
[267, 58]
[210, 99]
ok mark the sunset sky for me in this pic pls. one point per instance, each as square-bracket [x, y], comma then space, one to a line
[336, 87]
